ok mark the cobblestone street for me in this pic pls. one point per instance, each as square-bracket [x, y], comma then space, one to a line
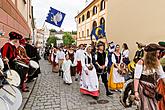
[50, 93]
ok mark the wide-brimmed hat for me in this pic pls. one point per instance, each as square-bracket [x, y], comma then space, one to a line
[140, 44]
[153, 47]
[162, 43]
[14, 35]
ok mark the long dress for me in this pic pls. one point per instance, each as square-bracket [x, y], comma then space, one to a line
[66, 69]
[89, 81]
[148, 79]
[73, 68]
[116, 81]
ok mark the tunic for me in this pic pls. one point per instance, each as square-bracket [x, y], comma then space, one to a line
[89, 81]
[9, 51]
[66, 69]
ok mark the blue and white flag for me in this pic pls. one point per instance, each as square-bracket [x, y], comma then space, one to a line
[55, 17]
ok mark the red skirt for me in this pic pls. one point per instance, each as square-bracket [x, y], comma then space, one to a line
[79, 67]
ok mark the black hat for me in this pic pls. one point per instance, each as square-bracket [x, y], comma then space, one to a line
[14, 35]
[153, 47]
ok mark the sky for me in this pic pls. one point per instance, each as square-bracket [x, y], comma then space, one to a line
[69, 7]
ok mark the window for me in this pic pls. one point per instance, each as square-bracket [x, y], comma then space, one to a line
[94, 10]
[82, 18]
[79, 35]
[79, 20]
[88, 14]
[24, 1]
[102, 22]
[82, 33]
[94, 24]
[87, 32]
[102, 5]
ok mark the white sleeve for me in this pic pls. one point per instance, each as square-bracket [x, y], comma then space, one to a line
[106, 61]
[96, 57]
[83, 63]
[126, 54]
[63, 66]
[138, 71]
[160, 72]
[1, 64]
[113, 59]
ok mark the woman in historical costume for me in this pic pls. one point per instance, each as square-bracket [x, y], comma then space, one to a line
[89, 81]
[125, 54]
[54, 64]
[147, 72]
[71, 54]
[67, 64]
[116, 80]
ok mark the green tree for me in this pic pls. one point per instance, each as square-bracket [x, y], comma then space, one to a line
[52, 40]
[67, 39]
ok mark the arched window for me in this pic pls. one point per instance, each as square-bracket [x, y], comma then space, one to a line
[102, 5]
[79, 20]
[88, 14]
[87, 32]
[83, 18]
[102, 22]
[94, 10]
[94, 24]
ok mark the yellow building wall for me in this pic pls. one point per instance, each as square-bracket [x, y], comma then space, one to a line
[88, 23]
[136, 20]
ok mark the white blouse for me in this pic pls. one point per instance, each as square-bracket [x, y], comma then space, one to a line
[125, 53]
[139, 71]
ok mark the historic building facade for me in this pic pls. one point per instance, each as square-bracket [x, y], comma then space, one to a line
[93, 15]
[16, 15]
[128, 21]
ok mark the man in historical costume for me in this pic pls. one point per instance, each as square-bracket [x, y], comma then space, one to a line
[101, 62]
[9, 51]
[25, 60]
[60, 57]
[78, 56]
[33, 55]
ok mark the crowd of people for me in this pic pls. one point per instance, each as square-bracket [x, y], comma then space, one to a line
[19, 57]
[87, 63]
[90, 63]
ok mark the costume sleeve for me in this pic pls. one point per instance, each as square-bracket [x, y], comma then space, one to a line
[1, 64]
[160, 72]
[4, 51]
[106, 61]
[113, 59]
[126, 54]
[83, 63]
[138, 71]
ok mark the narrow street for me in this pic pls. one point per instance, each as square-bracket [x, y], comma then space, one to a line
[50, 93]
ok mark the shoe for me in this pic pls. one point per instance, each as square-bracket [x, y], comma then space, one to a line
[95, 97]
[26, 90]
[109, 93]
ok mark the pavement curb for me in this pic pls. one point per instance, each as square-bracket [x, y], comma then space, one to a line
[26, 96]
